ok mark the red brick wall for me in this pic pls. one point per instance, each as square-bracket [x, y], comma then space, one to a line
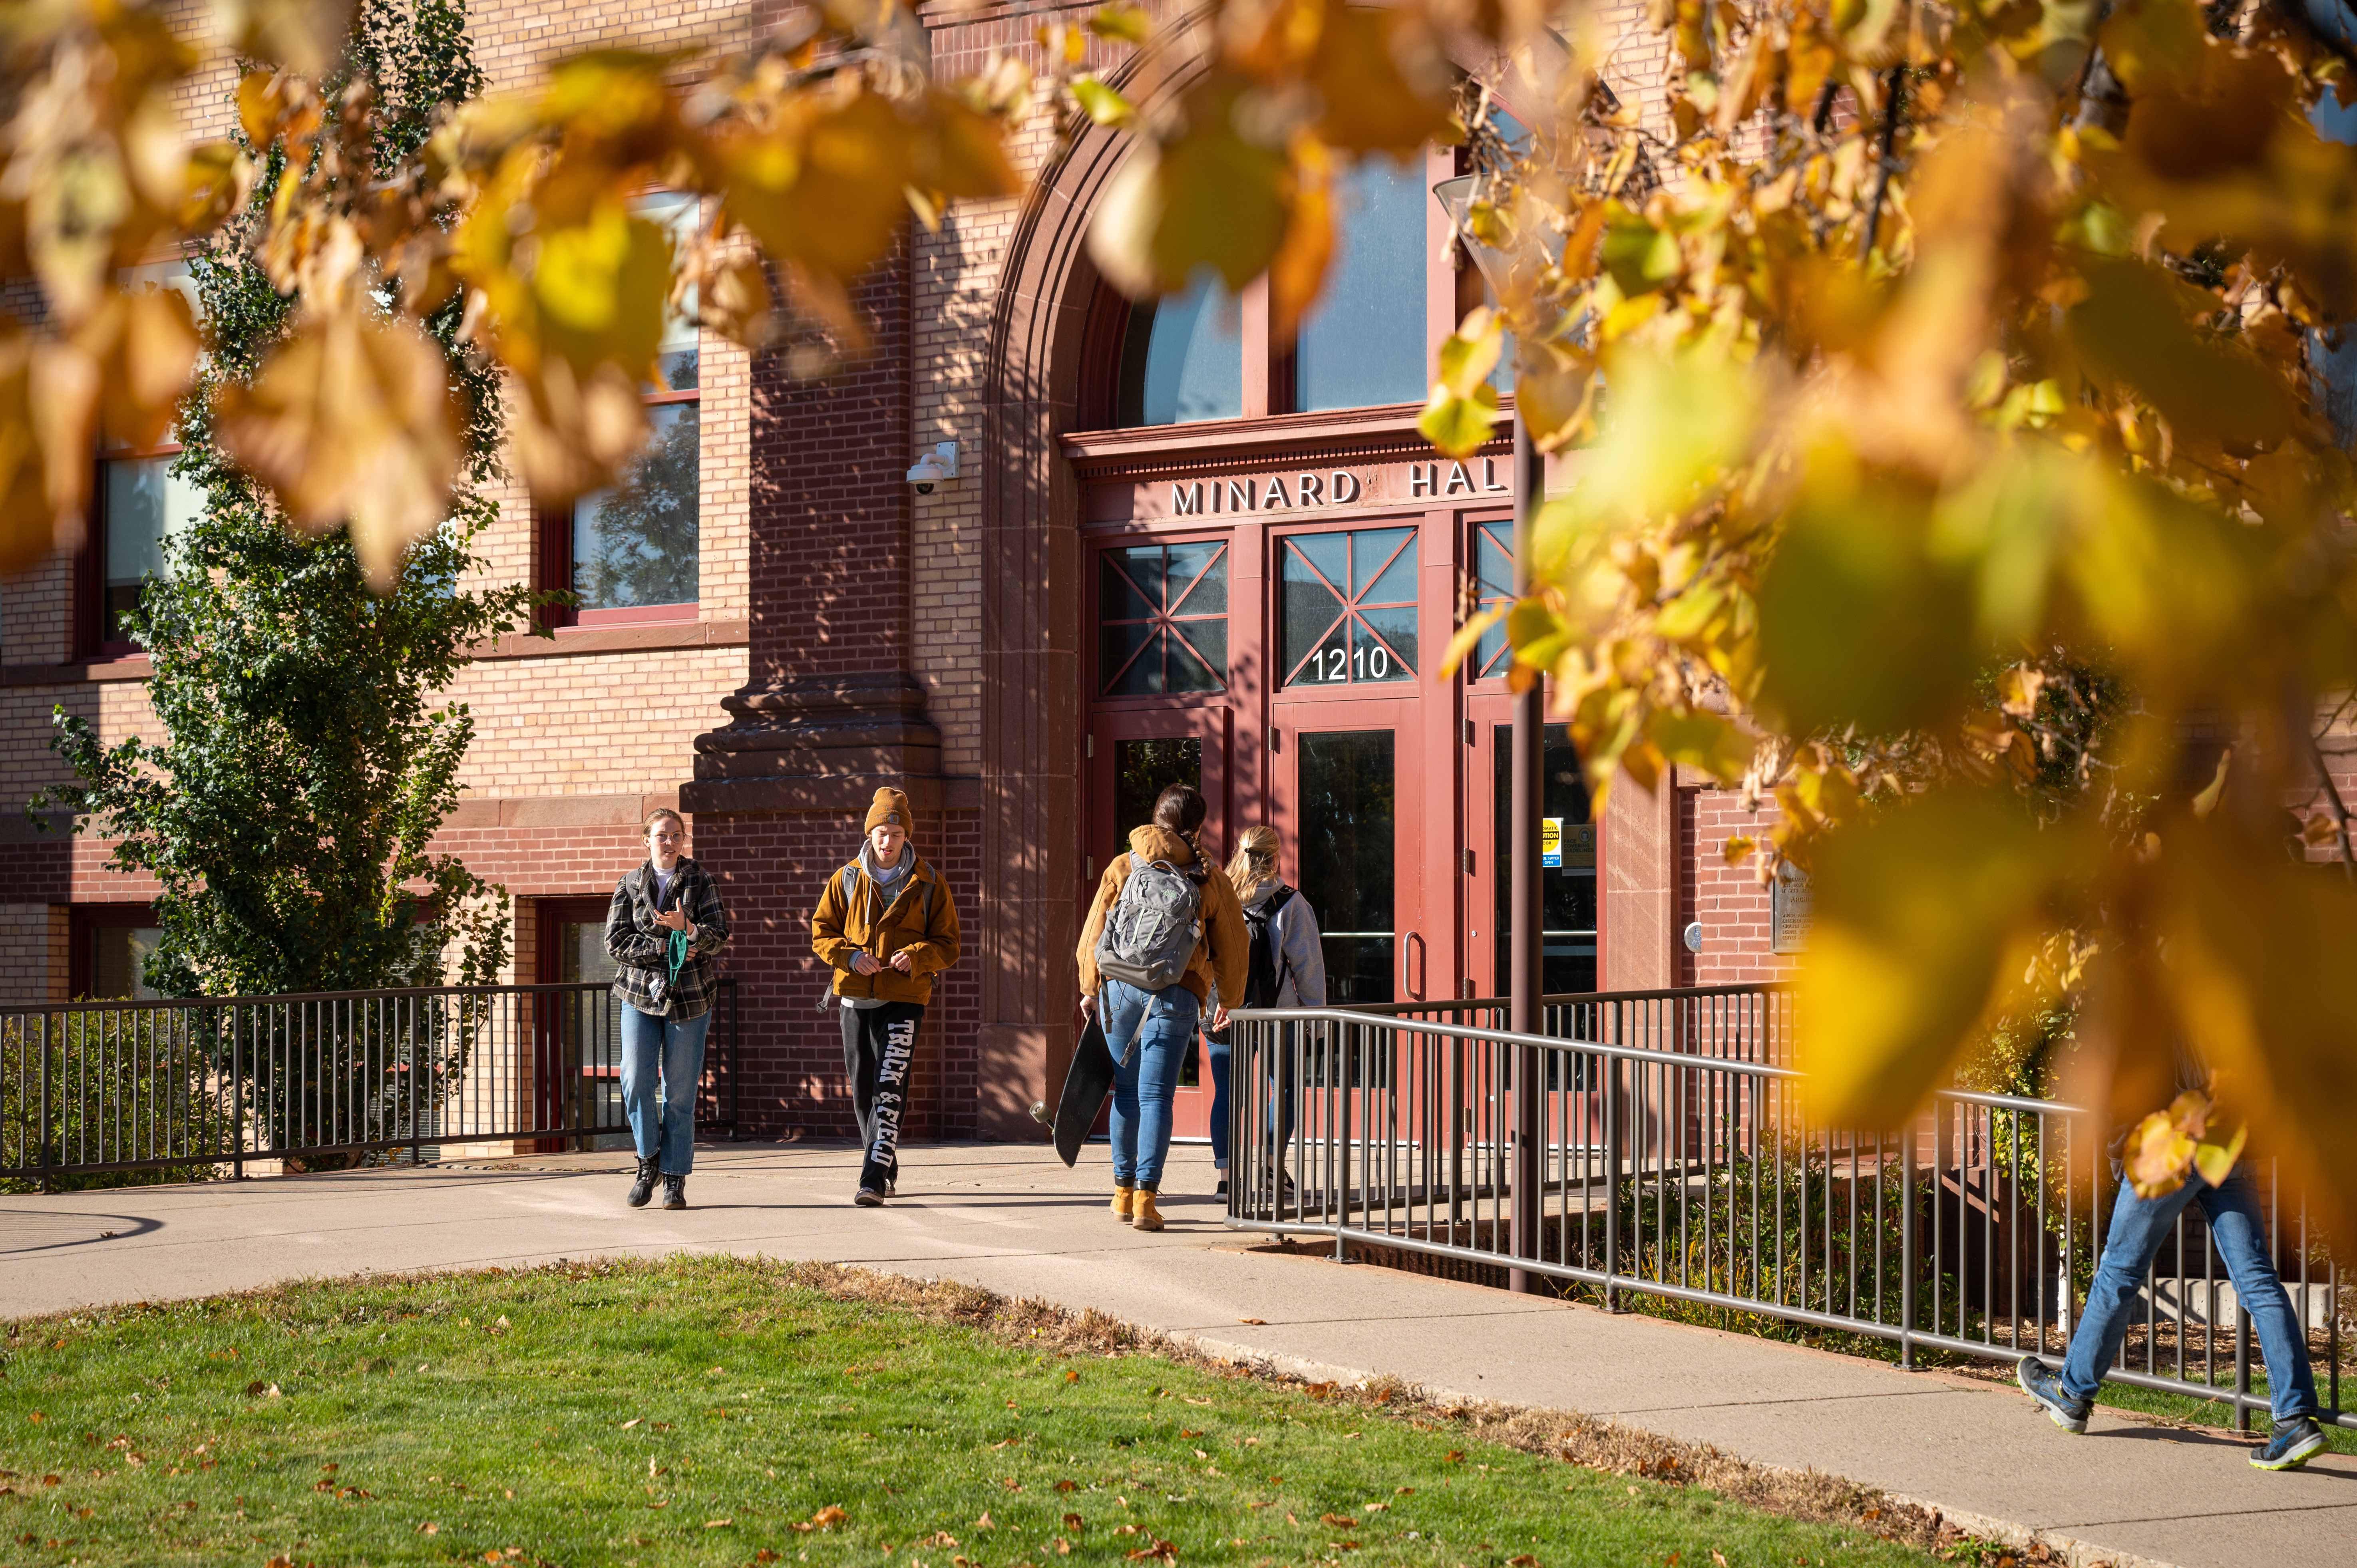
[829, 578]
[771, 866]
[1728, 900]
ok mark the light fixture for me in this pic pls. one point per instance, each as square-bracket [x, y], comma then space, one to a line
[1531, 254]
[938, 467]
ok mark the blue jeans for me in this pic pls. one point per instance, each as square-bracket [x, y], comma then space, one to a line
[661, 1060]
[2139, 1226]
[1216, 1053]
[1148, 1033]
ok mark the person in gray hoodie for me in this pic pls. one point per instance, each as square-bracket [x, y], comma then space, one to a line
[1287, 969]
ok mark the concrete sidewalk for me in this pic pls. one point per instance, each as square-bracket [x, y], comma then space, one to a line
[1014, 1220]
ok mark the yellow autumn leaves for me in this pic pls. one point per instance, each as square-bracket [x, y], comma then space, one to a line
[804, 156]
[1234, 171]
[1940, 380]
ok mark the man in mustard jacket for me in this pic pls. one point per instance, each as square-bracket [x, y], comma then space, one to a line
[888, 926]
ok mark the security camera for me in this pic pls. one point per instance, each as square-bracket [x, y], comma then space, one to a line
[935, 467]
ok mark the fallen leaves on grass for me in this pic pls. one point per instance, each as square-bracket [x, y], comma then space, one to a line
[826, 1518]
[626, 1425]
[1336, 1520]
[1074, 1521]
[1161, 1549]
[725, 1523]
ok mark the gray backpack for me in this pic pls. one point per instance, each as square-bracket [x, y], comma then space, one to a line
[1153, 927]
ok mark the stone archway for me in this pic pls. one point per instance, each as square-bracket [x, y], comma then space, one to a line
[1030, 642]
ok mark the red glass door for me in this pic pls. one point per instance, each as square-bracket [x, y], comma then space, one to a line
[1134, 756]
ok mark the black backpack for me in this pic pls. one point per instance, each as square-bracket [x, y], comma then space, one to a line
[1263, 981]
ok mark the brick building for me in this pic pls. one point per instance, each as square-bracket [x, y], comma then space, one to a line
[1174, 549]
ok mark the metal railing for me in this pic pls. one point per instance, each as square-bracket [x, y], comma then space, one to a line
[193, 1085]
[1674, 1158]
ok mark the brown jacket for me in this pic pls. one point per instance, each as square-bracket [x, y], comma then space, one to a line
[922, 922]
[1225, 951]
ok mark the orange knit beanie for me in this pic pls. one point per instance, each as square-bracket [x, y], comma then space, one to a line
[891, 806]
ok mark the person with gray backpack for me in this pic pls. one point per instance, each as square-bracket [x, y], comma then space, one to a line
[1164, 930]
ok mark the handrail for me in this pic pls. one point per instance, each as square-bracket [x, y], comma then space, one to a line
[1576, 998]
[1558, 1044]
[1667, 1164]
[191, 1086]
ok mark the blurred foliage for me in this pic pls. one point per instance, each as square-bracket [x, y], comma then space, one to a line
[2019, 1054]
[1894, 344]
[305, 767]
[1944, 397]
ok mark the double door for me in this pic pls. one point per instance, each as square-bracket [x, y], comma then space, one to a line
[1325, 725]
[1346, 810]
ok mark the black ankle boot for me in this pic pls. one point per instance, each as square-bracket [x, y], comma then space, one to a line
[675, 1191]
[644, 1188]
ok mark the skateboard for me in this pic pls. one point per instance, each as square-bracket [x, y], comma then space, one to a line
[1086, 1084]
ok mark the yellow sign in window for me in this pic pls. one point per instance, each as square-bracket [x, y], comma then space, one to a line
[1551, 841]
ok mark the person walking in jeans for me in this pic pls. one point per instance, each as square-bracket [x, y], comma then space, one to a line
[663, 928]
[887, 926]
[1149, 1032]
[2139, 1227]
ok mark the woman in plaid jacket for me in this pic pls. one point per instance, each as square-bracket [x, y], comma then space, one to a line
[661, 930]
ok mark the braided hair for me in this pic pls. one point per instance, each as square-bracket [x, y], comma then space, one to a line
[1181, 809]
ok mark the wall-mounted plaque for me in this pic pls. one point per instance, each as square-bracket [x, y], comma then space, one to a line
[1789, 901]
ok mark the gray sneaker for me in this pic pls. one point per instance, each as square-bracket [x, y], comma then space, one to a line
[2294, 1444]
[2045, 1385]
[869, 1197]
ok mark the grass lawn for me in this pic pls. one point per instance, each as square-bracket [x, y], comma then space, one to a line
[723, 1410]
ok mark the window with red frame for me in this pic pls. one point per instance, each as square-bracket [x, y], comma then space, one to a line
[632, 551]
[1162, 618]
[139, 505]
[111, 945]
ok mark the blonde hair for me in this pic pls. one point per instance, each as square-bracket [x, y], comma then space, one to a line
[658, 815]
[1255, 861]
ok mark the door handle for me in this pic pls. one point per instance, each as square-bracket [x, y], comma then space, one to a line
[1407, 992]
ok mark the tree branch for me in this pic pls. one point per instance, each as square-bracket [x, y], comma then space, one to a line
[1897, 86]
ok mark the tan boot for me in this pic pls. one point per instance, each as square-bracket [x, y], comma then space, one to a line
[1123, 1197]
[1145, 1217]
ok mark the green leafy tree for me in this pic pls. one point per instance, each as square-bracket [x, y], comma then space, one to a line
[307, 763]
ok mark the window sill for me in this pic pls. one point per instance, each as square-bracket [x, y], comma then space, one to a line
[80, 671]
[568, 641]
[636, 636]
[637, 614]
